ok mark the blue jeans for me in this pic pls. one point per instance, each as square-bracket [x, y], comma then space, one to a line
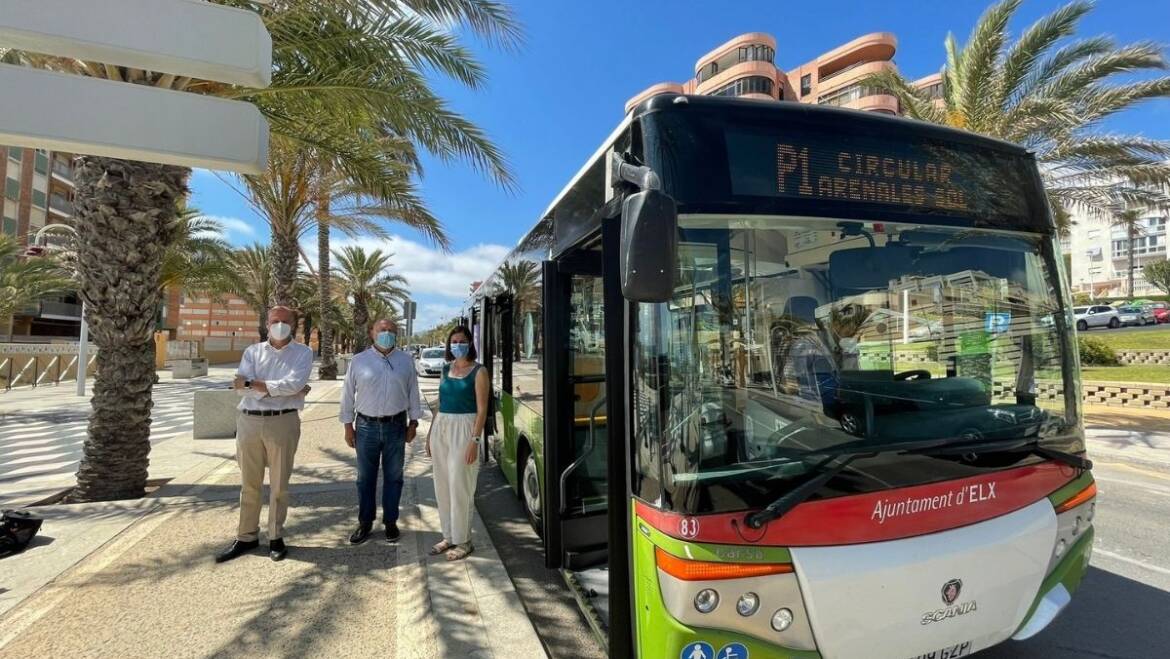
[385, 441]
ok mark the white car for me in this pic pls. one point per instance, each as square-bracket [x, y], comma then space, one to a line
[1098, 315]
[431, 361]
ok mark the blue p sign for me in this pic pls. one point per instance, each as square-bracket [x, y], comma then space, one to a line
[997, 322]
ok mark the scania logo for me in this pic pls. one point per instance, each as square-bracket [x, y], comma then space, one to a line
[950, 591]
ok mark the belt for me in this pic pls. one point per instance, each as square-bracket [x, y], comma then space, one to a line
[267, 412]
[401, 417]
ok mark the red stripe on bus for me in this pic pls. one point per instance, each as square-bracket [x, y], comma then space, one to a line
[876, 516]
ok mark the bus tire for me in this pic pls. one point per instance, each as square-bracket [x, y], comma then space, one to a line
[530, 494]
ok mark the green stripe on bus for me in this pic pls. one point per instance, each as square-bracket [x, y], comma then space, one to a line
[1069, 489]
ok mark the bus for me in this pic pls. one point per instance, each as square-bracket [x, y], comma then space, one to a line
[779, 380]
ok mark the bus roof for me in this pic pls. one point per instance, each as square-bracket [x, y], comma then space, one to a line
[547, 237]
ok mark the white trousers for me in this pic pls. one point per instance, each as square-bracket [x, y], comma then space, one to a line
[454, 478]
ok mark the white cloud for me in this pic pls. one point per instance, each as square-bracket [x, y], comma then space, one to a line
[234, 226]
[427, 270]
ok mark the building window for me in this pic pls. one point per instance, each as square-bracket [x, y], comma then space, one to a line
[41, 163]
[757, 53]
[38, 198]
[12, 188]
[849, 94]
[805, 85]
[934, 92]
[708, 71]
[14, 152]
[748, 85]
[10, 226]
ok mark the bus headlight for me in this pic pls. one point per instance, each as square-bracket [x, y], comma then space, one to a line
[781, 620]
[748, 604]
[706, 600]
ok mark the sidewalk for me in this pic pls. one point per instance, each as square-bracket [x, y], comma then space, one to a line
[136, 579]
[1135, 436]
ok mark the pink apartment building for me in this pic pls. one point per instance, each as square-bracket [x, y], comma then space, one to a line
[745, 67]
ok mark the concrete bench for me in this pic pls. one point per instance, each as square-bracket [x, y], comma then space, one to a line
[343, 363]
[215, 414]
[189, 368]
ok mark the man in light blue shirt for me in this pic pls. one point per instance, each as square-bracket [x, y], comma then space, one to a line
[380, 408]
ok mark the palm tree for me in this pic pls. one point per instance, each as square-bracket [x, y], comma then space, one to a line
[197, 256]
[521, 280]
[1129, 219]
[341, 69]
[249, 277]
[365, 281]
[1050, 94]
[24, 281]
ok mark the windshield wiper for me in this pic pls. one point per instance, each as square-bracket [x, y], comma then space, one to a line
[795, 496]
[837, 460]
[1032, 444]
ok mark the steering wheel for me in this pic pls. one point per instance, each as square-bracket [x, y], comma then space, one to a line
[916, 374]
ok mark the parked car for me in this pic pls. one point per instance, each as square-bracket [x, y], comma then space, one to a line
[1098, 315]
[431, 361]
[1161, 312]
[1136, 316]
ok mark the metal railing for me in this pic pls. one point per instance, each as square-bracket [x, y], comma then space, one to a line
[34, 370]
[60, 204]
[62, 309]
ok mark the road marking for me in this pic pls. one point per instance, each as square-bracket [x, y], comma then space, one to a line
[1131, 561]
[1152, 489]
[1153, 474]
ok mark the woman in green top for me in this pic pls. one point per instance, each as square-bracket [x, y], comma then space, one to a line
[453, 442]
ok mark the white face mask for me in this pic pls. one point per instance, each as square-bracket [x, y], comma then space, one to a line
[279, 331]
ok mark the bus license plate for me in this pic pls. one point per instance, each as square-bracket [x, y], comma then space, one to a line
[949, 652]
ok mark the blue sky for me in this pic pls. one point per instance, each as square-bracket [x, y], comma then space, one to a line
[550, 104]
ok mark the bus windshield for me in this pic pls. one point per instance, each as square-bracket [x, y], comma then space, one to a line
[787, 337]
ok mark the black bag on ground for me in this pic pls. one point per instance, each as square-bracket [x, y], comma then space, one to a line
[17, 528]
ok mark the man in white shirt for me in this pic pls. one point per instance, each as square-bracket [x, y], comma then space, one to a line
[272, 381]
[380, 409]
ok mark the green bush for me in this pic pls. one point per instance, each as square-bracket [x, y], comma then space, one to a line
[1095, 352]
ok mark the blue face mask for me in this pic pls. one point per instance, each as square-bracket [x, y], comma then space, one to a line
[386, 340]
[459, 350]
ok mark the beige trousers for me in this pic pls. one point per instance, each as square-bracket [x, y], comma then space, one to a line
[265, 441]
[454, 478]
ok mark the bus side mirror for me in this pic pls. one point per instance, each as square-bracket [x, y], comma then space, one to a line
[649, 249]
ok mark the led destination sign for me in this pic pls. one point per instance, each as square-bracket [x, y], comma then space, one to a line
[918, 175]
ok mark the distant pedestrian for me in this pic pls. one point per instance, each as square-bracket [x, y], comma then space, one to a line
[453, 442]
[272, 380]
[380, 409]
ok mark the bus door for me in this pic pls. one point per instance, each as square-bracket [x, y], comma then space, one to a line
[495, 337]
[576, 444]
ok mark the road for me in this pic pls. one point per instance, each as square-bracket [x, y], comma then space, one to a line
[1133, 328]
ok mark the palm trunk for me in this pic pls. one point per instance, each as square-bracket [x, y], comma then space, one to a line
[361, 320]
[125, 214]
[284, 268]
[328, 368]
[262, 323]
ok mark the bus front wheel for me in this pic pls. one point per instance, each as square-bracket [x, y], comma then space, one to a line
[530, 485]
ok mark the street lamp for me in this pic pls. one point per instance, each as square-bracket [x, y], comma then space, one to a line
[38, 247]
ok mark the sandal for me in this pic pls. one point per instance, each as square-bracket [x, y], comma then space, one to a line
[459, 552]
[440, 547]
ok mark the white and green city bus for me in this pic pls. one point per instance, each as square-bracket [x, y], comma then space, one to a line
[778, 380]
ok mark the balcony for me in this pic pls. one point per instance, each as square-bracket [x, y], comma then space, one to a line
[60, 311]
[63, 171]
[739, 70]
[874, 47]
[60, 205]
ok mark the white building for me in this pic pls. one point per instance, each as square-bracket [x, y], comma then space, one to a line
[1100, 256]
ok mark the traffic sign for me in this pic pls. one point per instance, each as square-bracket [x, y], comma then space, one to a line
[47, 110]
[118, 119]
[185, 37]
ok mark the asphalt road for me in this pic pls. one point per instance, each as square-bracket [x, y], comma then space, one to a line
[1132, 328]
